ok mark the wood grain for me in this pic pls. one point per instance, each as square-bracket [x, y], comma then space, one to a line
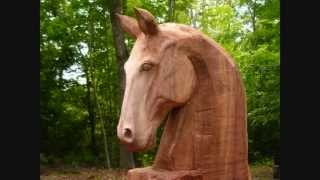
[199, 85]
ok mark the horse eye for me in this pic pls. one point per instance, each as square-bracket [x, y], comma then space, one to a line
[146, 66]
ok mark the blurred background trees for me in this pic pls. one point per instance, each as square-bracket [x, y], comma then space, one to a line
[82, 51]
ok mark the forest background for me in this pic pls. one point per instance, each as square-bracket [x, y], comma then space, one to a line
[82, 51]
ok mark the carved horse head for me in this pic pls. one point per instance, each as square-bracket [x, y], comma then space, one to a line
[157, 80]
[175, 69]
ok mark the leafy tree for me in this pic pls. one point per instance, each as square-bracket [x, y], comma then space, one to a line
[82, 51]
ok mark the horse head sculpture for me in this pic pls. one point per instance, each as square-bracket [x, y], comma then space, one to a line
[176, 70]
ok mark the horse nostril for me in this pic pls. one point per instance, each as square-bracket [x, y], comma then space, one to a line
[127, 133]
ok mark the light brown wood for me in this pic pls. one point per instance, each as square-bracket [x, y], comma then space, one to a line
[176, 69]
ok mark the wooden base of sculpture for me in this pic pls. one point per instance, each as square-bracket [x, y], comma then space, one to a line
[149, 173]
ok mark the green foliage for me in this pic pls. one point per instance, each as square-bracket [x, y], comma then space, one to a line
[147, 159]
[43, 159]
[77, 36]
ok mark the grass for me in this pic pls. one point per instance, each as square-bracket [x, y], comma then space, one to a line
[261, 172]
[82, 174]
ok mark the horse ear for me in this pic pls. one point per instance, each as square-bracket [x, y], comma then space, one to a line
[146, 21]
[129, 25]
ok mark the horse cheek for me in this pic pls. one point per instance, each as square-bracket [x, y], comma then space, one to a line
[185, 82]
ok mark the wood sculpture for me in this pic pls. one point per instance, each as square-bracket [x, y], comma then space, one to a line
[176, 70]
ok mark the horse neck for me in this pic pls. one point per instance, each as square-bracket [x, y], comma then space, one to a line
[204, 132]
[176, 150]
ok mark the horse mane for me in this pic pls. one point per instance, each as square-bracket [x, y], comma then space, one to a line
[208, 133]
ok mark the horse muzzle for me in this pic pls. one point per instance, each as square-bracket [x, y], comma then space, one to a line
[129, 138]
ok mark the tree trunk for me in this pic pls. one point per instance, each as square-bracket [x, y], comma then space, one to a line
[98, 108]
[252, 11]
[92, 120]
[90, 107]
[193, 15]
[90, 85]
[276, 166]
[105, 140]
[171, 5]
[126, 157]
[254, 17]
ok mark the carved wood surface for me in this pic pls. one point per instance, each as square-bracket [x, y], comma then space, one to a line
[205, 135]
